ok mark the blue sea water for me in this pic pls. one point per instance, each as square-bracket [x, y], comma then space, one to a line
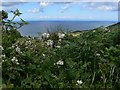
[42, 26]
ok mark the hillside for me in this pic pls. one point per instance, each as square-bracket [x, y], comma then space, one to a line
[113, 27]
[61, 60]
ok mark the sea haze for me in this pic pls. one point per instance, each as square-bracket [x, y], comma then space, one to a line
[42, 26]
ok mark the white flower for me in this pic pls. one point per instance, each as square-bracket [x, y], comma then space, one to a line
[1, 48]
[17, 63]
[13, 46]
[45, 35]
[3, 60]
[61, 35]
[93, 30]
[60, 62]
[28, 43]
[49, 43]
[59, 40]
[57, 46]
[2, 56]
[18, 50]
[44, 55]
[106, 29]
[79, 82]
[15, 60]
[98, 54]
[26, 47]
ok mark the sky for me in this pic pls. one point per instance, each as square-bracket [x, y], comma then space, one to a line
[82, 11]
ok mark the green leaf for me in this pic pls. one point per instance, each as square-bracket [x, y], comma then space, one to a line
[45, 83]
[11, 86]
[19, 69]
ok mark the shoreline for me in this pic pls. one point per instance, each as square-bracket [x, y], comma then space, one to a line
[95, 28]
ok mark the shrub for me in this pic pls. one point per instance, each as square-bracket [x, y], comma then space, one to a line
[59, 60]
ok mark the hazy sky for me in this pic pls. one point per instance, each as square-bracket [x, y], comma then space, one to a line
[100, 11]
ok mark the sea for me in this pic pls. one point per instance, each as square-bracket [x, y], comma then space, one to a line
[34, 27]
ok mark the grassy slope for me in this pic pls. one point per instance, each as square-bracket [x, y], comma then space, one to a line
[80, 51]
[112, 28]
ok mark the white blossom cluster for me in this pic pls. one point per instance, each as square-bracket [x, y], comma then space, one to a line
[49, 43]
[2, 56]
[57, 46]
[106, 29]
[45, 35]
[15, 60]
[18, 50]
[11, 47]
[59, 40]
[3, 60]
[1, 48]
[28, 42]
[79, 82]
[61, 35]
[97, 54]
[60, 62]
[43, 55]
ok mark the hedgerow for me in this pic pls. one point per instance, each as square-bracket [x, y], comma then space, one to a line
[58, 59]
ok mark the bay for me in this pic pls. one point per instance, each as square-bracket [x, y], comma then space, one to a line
[43, 26]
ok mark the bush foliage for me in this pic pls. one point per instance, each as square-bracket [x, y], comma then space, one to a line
[60, 60]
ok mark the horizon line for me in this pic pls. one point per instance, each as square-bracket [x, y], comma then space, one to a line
[74, 20]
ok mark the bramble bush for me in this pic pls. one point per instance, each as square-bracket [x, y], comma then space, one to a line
[60, 60]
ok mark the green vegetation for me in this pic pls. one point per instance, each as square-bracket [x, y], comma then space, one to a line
[61, 60]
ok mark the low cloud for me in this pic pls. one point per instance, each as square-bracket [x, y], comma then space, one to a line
[108, 6]
[44, 4]
[62, 0]
[8, 6]
[67, 6]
